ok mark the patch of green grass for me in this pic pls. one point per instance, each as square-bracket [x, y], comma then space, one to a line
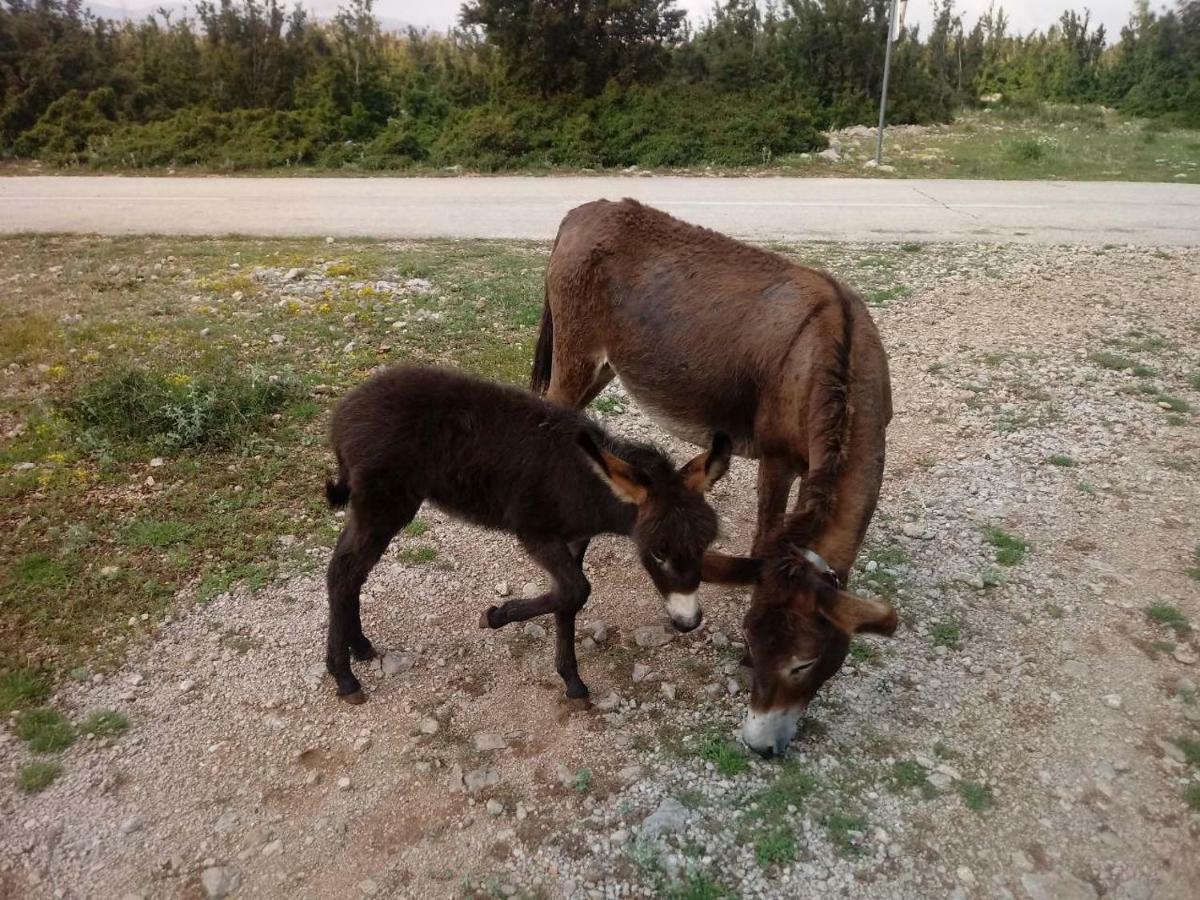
[20, 688]
[1193, 571]
[891, 556]
[415, 528]
[774, 847]
[173, 413]
[908, 774]
[992, 578]
[417, 556]
[946, 634]
[1166, 614]
[1106, 359]
[912, 247]
[723, 753]
[934, 368]
[38, 571]
[977, 797]
[791, 787]
[583, 781]
[1027, 150]
[846, 832]
[153, 533]
[863, 653]
[37, 776]
[1192, 797]
[883, 296]
[1194, 381]
[1010, 549]
[1191, 749]
[105, 723]
[45, 730]
[606, 404]
[698, 886]
[1054, 611]
[1085, 487]
[1062, 460]
[1173, 403]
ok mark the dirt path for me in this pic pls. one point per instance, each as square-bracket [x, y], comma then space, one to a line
[1023, 735]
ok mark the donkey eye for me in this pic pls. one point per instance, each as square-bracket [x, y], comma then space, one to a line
[659, 558]
[801, 668]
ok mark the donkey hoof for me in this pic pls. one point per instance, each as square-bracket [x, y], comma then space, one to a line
[356, 698]
[491, 618]
[363, 652]
[576, 690]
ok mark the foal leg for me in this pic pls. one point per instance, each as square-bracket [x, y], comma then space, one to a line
[570, 593]
[775, 479]
[359, 547]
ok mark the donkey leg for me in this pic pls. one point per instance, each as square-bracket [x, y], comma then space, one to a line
[359, 547]
[576, 381]
[775, 479]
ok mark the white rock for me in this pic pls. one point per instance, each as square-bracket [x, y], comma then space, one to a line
[487, 741]
[530, 590]
[368, 887]
[428, 725]
[671, 816]
[668, 690]
[270, 849]
[343, 783]
[481, 779]
[130, 825]
[218, 881]
[494, 807]
[502, 589]
[652, 636]
[640, 671]
[534, 630]
[1057, 886]
[1113, 701]
[396, 663]
[609, 703]
[156, 462]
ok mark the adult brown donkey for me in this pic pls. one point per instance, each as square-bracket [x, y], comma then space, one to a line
[712, 335]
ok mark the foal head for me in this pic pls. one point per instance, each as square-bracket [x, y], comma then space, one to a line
[675, 524]
[797, 632]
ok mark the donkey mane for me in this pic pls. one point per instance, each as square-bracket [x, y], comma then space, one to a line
[829, 422]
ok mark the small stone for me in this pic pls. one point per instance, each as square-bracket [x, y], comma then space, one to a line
[428, 726]
[186, 685]
[156, 462]
[361, 744]
[668, 690]
[522, 812]
[530, 590]
[1171, 751]
[732, 686]
[1057, 886]
[609, 703]
[599, 631]
[486, 741]
[1113, 701]
[941, 781]
[912, 530]
[456, 782]
[270, 849]
[277, 339]
[640, 671]
[503, 589]
[494, 808]
[109, 572]
[720, 639]
[652, 636]
[368, 888]
[135, 679]
[396, 663]
[671, 816]
[965, 875]
[713, 690]
[129, 826]
[481, 779]
[294, 274]
[630, 774]
[534, 630]
[218, 881]
[343, 783]
[588, 643]
[1184, 655]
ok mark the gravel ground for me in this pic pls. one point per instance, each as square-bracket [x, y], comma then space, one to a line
[1022, 735]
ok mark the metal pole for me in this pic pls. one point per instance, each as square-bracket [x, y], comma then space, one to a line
[887, 65]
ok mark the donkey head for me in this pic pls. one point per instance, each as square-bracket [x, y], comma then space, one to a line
[797, 632]
[675, 524]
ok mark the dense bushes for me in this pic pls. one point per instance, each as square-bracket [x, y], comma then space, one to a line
[246, 85]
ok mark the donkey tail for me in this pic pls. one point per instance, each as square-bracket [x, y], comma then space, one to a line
[338, 492]
[543, 354]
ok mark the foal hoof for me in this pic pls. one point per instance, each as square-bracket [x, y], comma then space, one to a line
[490, 618]
[363, 652]
[577, 691]
[357, 698]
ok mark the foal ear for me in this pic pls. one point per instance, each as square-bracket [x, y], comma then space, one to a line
[853, 614]
[717, 568]
[705, 470]
[625, 480]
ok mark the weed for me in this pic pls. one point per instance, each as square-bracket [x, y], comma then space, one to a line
[891, 556]
[846, 832]
[792, 786]
[583, 781]
[1062, 460]
[1028, 150]
[1118, 363]
[45, 730]
[105, 723]
[776, 846]
[417, 556]
[1166, 614]
[907, 774]
[37, 776]
[415, 528]
[1173, 403]
[862, 653]
[1010, 549]
[947, 634]
[1086, 487]
[698, 886]
[153, 533]
[911, 247]
[992, 578]
[724, 754]
[884, 296]
[1054, 611]
[1192, 797]
[1193, 570]
[606, 404]
[977, 797]
[1191, 749]
[1194, 381]
[20, 688]
[645, 856]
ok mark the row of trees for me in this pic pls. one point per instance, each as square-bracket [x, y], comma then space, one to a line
[247, 83]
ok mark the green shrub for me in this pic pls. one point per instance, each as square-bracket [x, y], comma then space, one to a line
[45, 730]
[171, 413]
[37, 776]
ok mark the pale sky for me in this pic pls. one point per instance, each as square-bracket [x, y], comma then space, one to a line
[1025, 15]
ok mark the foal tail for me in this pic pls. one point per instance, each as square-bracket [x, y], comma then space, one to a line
[338, 492]
[543, 354]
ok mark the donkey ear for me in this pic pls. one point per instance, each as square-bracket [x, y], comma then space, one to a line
[853, 614]
[717, 568]
[626, 481]
[701, 473]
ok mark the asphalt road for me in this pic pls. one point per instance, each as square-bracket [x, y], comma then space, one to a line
[525, 207]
